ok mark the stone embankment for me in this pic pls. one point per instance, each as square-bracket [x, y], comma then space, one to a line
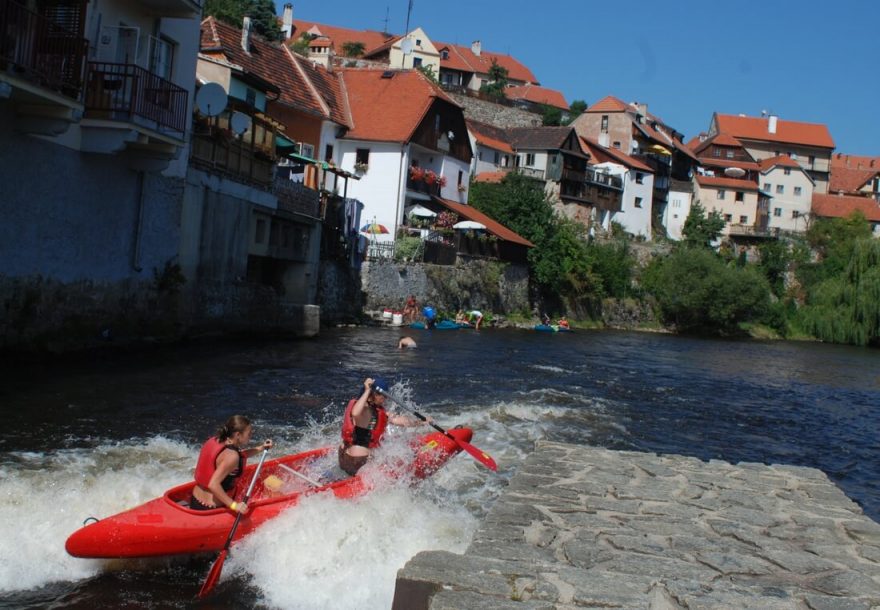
[580, 527]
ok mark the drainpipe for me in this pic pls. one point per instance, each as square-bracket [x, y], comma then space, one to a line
[136, 247]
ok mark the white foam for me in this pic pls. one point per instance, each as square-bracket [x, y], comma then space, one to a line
[45, 497]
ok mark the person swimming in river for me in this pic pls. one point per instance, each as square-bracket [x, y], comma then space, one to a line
[406, 342]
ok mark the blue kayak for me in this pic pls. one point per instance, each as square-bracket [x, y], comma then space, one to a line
[547, 328]
[442, 325]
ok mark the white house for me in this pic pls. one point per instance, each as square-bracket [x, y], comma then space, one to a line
[408, 143]
[791, 189]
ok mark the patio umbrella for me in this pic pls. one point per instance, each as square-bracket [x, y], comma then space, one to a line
[374, 228]
[468, 224]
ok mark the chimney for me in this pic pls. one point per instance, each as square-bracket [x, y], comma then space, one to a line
[246, 34]
[476, 47]
[287, 21]
[771, 123]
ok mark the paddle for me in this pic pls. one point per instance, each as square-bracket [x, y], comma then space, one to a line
[214, 574]
[481, 456]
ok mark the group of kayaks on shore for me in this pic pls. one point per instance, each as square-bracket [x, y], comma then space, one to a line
[196, 516]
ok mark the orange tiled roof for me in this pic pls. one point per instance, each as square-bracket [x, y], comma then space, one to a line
[455, 60]
[467, 61]
[321, 41]
[790, 132]
[609, 104]
[727, 183]
[600, 154]
[370, 38]
[388, 109]
[327, 87]
[841, 206]
[783, 160]
[269, 61]
[490, 177]
[490, 136]
[538, 95]
[854, 161]
[850, 180]
[493, 226]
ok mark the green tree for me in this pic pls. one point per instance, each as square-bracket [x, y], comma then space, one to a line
[845, 308]
[497, 81]
[428, 71]
[353, 49]
[300, 46]
[700, 229]
[577, 108]
[696, 291]
[550, 115]
[264, 21]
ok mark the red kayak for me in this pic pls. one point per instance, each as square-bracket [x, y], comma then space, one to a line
[166, 526]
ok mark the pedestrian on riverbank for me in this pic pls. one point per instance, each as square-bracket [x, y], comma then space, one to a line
[364, 423]
[476, 318]
[221, 462]
[410, 309]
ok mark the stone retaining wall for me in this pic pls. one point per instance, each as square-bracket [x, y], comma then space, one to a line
[580, 527]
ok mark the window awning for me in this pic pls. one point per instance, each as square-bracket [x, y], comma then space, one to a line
[284, 146]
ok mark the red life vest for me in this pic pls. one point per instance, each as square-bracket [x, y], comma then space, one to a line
[207, 464]
[377, 431]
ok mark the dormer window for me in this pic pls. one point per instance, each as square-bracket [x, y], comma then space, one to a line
[444, 54]
[418, 42]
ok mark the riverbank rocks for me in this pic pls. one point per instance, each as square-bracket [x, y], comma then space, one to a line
[582, 527]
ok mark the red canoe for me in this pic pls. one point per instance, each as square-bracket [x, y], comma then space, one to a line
[166, 526]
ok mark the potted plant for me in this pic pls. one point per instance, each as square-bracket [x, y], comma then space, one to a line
[442, 181]
[361, 167]
[462, 187]
[416, 174]
[430, 177]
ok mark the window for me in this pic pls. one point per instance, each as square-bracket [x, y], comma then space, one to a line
[777, 212]
[728, 218]
[616, 144]
[716, 151]
[729, 154]
[362, 155]
[767, 187]
[530, 159]
[793, 155]
[780, 189]
[795, 214]
[722, 193]
[444, 54]
[479, 155]
[307, 150]
[787, 171]
[260, 236]
[498, 158]
[418, 42]
[251, 97]
[812, 160]
[417, 61]
[797, 191]
[162, 56]
[328, 152]
[740, 196]
[460, 177]
[640, 177]
[604, 127]
[743, 220]
[638, 202]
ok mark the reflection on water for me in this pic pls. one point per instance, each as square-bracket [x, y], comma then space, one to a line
[100, 434]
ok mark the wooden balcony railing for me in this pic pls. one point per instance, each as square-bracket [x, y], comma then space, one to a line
[220, 152]
[41, 49]
[126, 91]
[531, 172]
[296, 197]
[602, 178]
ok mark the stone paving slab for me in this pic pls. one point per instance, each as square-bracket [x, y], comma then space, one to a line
[582, 527]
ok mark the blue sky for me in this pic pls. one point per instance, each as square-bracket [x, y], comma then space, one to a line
[803, 60]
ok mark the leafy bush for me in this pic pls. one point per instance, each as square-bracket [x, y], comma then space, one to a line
[407, 248]
[695, 290]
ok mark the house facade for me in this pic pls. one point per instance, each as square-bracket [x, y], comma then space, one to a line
[791, 189]
[809, 144]
[844, 206]
[739, 202]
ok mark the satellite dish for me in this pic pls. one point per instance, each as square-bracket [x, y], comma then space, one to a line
[211, 99]
[406, 46]
[239, 122]
[735, 172]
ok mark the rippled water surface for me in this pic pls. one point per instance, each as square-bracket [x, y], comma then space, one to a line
[102, 434]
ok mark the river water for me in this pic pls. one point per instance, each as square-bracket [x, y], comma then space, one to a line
[101, 434]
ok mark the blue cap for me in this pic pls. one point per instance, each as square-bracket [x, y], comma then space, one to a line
[380, 384]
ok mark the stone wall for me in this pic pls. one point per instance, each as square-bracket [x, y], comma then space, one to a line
[495, 114]
[339, 293]
[494, 287]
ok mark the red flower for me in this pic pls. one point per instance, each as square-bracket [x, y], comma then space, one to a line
[416, 173]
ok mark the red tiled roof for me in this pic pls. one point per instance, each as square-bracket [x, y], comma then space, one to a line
[841, 206]
[266, 60]
[727, 183]
[850, 180]
[600, 154]
[538, 95]
[327, 87]
[388, 109]
[724, 139]
[494, 227]
[321, 41]
[790, 132]
[609, 104]
[370, 38]
[854, 162]
[467, 61]
[783, 160]
[490, 177]
[489, 136]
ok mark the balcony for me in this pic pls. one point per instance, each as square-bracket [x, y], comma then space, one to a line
[603, 179]
[752, 231]
[422, 189]
[218, 151]
[296, 197]
[127, 92]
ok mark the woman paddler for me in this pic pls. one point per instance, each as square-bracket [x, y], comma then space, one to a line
[364, 424]
[221, 461]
